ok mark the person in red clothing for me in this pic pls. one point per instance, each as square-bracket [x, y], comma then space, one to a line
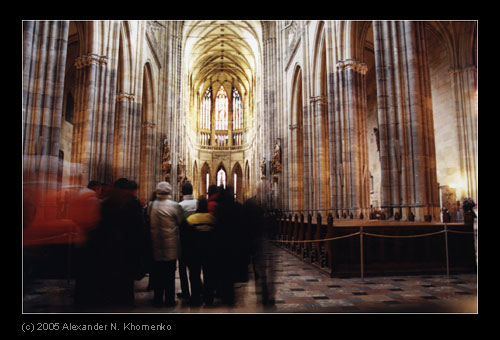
[213, 196]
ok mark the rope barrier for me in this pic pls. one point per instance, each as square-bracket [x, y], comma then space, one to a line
[404, 236]
[460, 232]
[361, 233]
[374, 235]
[322, 240]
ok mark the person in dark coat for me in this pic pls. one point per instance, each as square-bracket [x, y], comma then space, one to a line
[116, 247]
[260, 230]
[200, 230]
[231, 246]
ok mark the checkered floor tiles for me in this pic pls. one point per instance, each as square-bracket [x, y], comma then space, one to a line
[298, 288]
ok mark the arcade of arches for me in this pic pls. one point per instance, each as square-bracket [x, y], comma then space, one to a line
[330, 116]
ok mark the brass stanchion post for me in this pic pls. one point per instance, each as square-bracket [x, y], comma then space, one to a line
[447, 255]
[361, 253]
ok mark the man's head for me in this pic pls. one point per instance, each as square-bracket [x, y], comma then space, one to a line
[187, 189]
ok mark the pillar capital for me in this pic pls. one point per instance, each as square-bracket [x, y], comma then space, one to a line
[353, 64]
[458, 69]
[122, 96]
[89, 59]
[319, 100]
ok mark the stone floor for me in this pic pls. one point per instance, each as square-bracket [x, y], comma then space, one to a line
[299, 288]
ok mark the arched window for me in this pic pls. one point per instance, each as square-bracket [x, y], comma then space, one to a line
[237, 111]
[221, 108]
[205, 117]
[206, 104]
[221, 178]
[217, 134]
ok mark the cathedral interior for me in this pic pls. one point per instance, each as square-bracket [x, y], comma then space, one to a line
[337, 120]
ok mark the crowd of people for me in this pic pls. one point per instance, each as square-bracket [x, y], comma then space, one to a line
[211, 241]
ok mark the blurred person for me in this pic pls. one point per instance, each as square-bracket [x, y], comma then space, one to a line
[188, 205]
[115, 248]
[48, 234]
[149, 249]
[213, 196]
[232, 247]
[201, 226]
[105, 191]
[85, 211]
[259, 228]
[166, 216]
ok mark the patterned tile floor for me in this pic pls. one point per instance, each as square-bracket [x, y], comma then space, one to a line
[299, 288]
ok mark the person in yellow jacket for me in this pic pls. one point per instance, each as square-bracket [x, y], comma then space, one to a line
[200, 254]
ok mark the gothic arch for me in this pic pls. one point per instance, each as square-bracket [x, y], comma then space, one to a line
[205, 169]
[238, 186]
[321, 169]
[319, 46]
[125, 97]
[297, 141]
[246, 182]
[196, 190]
[147, 135]
[223, 168]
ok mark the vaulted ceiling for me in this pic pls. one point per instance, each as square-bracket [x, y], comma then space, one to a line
[222, 50]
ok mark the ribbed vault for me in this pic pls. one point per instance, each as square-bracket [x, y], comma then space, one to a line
[222, 50]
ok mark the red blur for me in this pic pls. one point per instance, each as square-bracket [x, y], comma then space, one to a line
[58, 216]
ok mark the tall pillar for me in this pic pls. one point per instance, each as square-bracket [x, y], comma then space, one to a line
[230, 117]
[405, 117]
[87, 116]
[44, 61]
[212, 116]
[321, 167]
[122, 141]
[464, 83]
[352, 187]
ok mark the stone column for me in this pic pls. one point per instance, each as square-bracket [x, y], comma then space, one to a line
[464, 83]
[353, 186]
[212, 116]
[44, 61]
[407, 150]
[321, 166]
[230, 117]
[90, 122]
[122, 140]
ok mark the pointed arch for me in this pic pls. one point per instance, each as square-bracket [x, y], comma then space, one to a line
[221, 175]
[204, 179]
[147, 135]
[246, 182]
[237, 181]
[297, 141]
[321, 150]
[196, 180]
[121, 139]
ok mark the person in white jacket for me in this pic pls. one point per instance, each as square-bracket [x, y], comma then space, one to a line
[166, 217]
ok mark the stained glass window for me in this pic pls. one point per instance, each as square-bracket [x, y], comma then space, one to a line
[237, 138]
[221, 139]
[205, 109]
[204, 138]
[237, 111]
[221, 178]
[221, 108]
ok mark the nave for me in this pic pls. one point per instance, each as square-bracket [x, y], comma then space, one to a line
[299, 288]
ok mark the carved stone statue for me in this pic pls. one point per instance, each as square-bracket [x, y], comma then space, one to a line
[180, 169]
[165, 159]
[276, 162]
[263, 168]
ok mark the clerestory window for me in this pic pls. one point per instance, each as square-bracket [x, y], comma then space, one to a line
[216, 115]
